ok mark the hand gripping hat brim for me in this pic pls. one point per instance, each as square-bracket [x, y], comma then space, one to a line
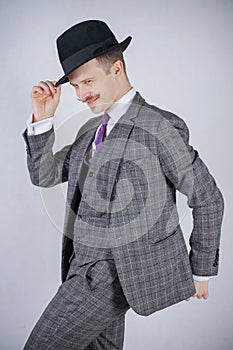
[83, 42]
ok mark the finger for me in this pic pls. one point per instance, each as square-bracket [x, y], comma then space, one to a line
[57, 85]
[45, 87]
[37, 89]
[57, 94]
[187, 299]
[50, 84]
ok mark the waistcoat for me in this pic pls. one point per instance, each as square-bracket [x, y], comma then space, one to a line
[84, 253]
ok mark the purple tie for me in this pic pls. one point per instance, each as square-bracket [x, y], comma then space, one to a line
[99, 138]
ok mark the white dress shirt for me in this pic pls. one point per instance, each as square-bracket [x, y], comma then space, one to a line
[115, 112]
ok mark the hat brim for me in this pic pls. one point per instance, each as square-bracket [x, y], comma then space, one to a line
[121, 46]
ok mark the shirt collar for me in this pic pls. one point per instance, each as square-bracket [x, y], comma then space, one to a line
[118, 108]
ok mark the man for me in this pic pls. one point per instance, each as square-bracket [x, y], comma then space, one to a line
[122, 244]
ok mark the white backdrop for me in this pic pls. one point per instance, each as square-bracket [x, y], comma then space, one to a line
[180, 59]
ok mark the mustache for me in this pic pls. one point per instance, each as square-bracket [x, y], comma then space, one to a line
[89, 98]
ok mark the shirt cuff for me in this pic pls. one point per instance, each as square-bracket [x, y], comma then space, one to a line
[201, 278]
[39, 127]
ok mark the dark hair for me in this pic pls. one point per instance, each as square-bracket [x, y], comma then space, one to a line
[106, 60]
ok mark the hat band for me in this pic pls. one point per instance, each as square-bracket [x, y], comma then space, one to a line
[86, 53]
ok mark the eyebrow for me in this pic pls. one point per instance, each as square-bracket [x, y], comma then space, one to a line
[91, 78]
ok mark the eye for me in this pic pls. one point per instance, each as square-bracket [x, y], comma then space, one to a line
[88, 82]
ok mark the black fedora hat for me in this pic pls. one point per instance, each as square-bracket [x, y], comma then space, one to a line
[83, 42]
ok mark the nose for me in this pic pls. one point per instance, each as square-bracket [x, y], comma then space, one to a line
[82, 93]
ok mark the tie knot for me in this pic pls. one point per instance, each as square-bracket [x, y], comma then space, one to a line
[105, 118]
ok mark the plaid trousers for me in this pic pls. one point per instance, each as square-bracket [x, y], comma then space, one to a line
[87, 312]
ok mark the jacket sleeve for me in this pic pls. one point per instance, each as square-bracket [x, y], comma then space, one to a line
[45, 168]
[188, 173]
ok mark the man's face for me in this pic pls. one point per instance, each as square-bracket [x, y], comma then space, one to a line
[93, 86]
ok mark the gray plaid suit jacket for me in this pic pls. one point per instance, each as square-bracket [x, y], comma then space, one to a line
[128, 204]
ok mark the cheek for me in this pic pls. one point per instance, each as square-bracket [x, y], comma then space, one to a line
[110, 91]
[106, 89]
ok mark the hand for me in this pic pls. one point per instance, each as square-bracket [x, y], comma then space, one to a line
[201, 290]
[45, 99]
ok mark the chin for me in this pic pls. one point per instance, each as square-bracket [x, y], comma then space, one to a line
[98, 108]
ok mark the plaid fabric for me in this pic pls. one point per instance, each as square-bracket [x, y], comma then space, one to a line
[87, 312]
[127, 210]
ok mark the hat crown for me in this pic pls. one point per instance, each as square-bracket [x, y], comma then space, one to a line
[82, 35]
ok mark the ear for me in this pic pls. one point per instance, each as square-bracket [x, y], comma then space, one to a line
[117, 68]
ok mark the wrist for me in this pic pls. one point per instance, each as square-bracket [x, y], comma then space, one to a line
[38, 119]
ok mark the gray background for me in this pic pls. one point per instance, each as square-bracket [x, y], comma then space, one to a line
[180, 59]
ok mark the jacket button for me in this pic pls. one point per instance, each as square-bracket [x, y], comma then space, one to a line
[91, 174]
[84, 196]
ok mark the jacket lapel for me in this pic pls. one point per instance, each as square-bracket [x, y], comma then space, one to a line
[112, 149]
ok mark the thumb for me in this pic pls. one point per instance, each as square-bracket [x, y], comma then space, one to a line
[58, 90]
[57, 86]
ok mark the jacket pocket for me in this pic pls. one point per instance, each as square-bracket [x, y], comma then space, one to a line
[168, 247]
[157, 239]
[101, 273]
